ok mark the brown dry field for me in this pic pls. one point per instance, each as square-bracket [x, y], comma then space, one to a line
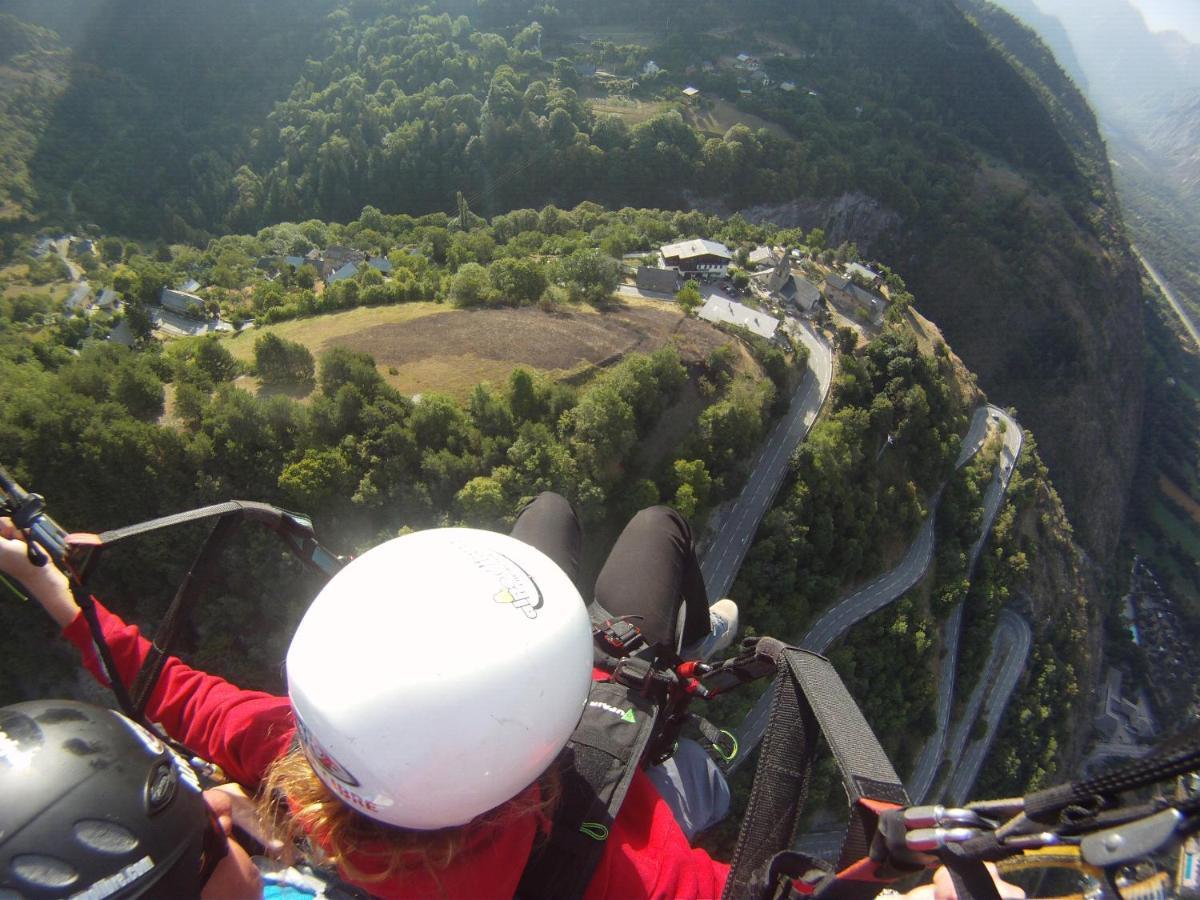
[450, 352]
[422, 348]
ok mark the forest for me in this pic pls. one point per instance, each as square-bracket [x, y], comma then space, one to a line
[393, 105]
[461, 143]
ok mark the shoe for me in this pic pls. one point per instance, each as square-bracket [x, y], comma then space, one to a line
[723, 626]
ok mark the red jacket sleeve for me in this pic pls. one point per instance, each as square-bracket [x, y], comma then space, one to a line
[241, 731]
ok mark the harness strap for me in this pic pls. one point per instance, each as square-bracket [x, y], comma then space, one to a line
[810, 699]
[777, 793]
[596, 769]
[198, 576]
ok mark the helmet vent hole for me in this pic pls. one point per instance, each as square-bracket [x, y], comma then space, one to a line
[43, 871]
[105, 837]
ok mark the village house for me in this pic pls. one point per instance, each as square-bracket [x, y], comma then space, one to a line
[867, 276]
[381, 264]
[697, 256]
[79, 299]
[850, 298]
[762, 257]
[718, 309]
[109, 300]
[658, 281]
[181, 302]
[346, 270]
[691, 93]
[786, 287]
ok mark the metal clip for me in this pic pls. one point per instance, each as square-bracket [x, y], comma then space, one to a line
[924, 840]
[1130, 841]
[934, 816]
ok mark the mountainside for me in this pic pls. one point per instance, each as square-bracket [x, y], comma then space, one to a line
[1177, 139]
[178, 124]
[1132, 74]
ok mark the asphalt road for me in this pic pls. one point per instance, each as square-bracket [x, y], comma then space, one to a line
[1184, 317]
[1013, 631]
[893, 584]
[725, 554]
[932, 753]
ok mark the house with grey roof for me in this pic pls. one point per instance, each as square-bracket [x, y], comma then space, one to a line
[348, 270]
[182, 302]
[697, 255]
[800, 293]
[109, 300]
[381, 264]
[870, 276]
[762, 256]
[852, 299]
[658, 281]
[80, 298]
[720, 309]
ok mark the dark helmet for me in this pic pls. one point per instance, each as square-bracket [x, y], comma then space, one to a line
[93, 805]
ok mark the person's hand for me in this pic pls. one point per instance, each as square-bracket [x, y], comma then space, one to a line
[46, 584]
[235, 877]
[233, 808]
[943, 886]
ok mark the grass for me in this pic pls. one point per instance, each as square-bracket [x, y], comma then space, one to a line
[424, 347]
[633, 112]
[621, 34]
[319, 331]
[721, 115]
[716, 118]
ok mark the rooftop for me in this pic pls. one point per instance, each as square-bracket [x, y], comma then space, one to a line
[720, 309]
[696, 247]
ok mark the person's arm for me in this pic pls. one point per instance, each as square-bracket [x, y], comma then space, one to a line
[241, 731]
[46, 584]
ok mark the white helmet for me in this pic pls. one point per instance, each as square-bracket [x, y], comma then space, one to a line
[439, 674]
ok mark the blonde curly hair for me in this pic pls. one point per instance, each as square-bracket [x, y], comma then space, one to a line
[297, 807]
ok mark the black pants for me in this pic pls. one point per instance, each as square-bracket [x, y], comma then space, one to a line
[651, 572]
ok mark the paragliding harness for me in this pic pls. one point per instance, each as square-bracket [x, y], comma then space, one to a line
[637, 715]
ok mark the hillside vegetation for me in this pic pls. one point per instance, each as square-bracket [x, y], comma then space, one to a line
[990, 189]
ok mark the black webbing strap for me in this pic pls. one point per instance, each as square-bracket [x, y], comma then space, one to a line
[191, 515]
[1178, 756]
[197, 578]
[85, 603]
[785, 759]
[595, 768]
[809, 695]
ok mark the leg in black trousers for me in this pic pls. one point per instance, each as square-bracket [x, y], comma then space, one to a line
[548, 523]
[652, 573]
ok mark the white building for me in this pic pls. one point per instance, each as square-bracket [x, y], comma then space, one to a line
[720, 309]
[697, 256]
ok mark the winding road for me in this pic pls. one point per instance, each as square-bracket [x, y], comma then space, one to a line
[1010, 651]
[893, 584]
[724, 555]
[932, 753]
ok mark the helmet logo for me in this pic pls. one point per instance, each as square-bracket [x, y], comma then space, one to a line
[517, 587]
[160, 785]
[322, 758]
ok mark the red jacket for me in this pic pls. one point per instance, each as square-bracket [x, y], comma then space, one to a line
[647, 855]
